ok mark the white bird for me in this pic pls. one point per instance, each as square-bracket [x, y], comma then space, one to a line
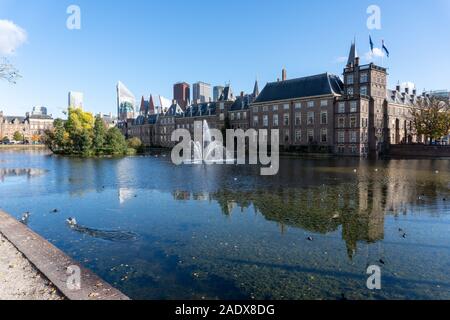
[72, 221]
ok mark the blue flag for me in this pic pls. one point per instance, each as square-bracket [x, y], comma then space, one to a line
[371, 43]
[385, 49]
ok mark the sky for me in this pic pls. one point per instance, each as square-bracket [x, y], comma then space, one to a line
[150, 45]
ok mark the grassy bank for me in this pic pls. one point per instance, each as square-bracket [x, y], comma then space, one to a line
[22, 147]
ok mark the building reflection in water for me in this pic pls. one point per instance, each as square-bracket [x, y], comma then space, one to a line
[358, 205]
[29, 173]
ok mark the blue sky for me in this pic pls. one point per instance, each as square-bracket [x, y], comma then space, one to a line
[149, 45]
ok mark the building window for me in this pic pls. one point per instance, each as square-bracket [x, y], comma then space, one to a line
[222, 117]
[265, 120]
[324, 117]
[310, 118]
[341, 137]
[353, 136]
[298, 106]
[265, 109]
[286, 135]
[275, 120]
[255, 121]
[353, 106]
[310, 104]
[324, 135]
[310, 135]
[222, 106]
[298, 136]
[350, 79]
[238, 116]
[255, 109]
[232, 116]
[298, 119]
[324, 103]
[363, 91]
[275, 108]
[286, 107]
[352, 122]
[363, 77]
[350, 91]
[245, 115]
[286, 119]
[341, 107]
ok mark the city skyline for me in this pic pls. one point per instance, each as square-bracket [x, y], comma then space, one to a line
[66, 52]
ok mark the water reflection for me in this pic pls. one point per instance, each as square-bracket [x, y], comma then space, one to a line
[108, 235]
[14, 172]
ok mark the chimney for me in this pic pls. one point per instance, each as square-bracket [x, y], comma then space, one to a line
[284, 75]
[356, 61]
[397, 88]
[414, 92]
[242, 94]
[278, 79]
[406, 90]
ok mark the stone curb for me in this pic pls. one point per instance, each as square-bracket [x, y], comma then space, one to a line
[54, 264]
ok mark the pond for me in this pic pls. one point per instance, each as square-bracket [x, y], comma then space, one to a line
[159, 231]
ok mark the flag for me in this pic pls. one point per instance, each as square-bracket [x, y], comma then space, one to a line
[371, 43]
[385, 49]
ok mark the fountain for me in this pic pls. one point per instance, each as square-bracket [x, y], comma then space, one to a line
[209, 151]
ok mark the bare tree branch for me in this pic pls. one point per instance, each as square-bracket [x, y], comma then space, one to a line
[8, 72]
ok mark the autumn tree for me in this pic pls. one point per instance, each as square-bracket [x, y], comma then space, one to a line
[431, 118]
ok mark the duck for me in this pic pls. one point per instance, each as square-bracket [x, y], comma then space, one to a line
[382, 261]
[72, 222]
[25, 217]
[310, 239]
[55, 211]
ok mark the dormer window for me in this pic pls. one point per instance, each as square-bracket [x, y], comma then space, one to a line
[350, 91]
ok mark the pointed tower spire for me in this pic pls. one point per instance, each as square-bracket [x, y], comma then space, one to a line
[353, 54]
[256, 89]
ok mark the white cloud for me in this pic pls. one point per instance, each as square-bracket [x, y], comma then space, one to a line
[377, 53]
[11, 37]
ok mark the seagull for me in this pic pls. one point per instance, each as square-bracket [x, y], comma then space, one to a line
[310, 239]
[382, 261]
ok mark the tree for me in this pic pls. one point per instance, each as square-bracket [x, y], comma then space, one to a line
[116, 143]
[18, 136]
[99, 135]
[5, 140]
[8, 72]
[78, 120]
[431, 118]
[134, 143]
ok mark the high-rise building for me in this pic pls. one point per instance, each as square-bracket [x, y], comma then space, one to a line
[201, 92]
[126, 102]
[39, 111]
[217, 92]
[75, 99]
[182, 94]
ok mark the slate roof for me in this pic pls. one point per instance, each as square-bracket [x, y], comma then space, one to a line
[241, 103]
[396, 97]
[318, 85]
[202, 109]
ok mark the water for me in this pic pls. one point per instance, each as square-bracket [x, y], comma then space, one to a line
[157, 231]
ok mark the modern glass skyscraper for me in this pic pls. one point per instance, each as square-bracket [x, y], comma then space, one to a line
[76, 99]
[201, 92]
[126, 102]
[217, 92]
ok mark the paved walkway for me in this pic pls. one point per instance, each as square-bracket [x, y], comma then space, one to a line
[19, 280]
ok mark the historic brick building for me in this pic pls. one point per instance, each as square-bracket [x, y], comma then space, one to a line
[353, 115]
[32, 125]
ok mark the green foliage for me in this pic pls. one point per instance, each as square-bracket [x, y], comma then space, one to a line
[431, 118]
[18, 136]
[5, 140]
[82, 135]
